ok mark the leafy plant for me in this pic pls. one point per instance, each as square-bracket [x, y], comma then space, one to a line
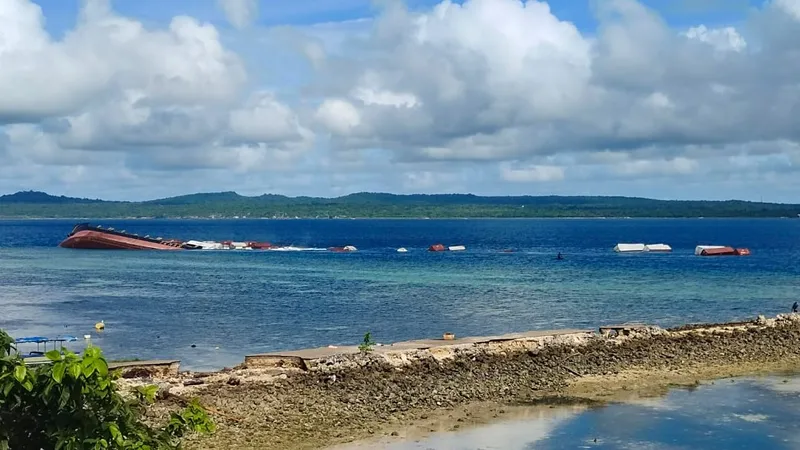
[367, 344]
[72, 403]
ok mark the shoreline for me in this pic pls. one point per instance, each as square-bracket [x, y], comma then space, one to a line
[316, 399]
[94, 219]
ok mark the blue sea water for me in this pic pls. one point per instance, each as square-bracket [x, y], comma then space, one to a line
[228, 304]
[755, 413]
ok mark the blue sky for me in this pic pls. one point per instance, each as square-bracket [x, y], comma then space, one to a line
[61, 14]
[666, 99]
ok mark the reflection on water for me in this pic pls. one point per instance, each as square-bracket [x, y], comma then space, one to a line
[755, 413]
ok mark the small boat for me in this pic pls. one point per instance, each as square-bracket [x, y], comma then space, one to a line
[43, 341]
[402, 250]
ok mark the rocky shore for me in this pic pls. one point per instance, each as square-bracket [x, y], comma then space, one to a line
[343, 398]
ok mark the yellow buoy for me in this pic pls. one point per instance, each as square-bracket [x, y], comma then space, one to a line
[100, 325]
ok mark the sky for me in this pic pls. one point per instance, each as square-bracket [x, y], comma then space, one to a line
[135, 100]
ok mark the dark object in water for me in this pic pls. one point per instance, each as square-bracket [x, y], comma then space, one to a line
[794, 307]
[560, 256]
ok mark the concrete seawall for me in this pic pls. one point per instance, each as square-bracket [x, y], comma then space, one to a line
[313, 398]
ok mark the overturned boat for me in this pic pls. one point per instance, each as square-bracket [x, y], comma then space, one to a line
[720, 250]
[86, 236]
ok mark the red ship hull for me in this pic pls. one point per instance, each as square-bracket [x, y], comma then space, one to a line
[87, 237]
[98, 240]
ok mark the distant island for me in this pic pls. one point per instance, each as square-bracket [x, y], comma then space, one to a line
[32, 204]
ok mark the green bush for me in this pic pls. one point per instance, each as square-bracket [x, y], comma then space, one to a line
[73, 403]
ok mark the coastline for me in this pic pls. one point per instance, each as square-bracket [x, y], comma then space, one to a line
[95, 219]
[321, 400]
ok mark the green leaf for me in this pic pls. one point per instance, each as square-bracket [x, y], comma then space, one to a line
[115, 433]
[74, 371]
[27, 385]
[58, 371]
[101, 367]
[7, 388]
[64, 398]
[53, 355]
[20, 372]
[88, 371]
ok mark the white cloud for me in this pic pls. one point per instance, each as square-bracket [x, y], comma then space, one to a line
[339, 116]
[240, 13]
[264, 119]
[481, 96]
[532, 174]
[722, 39]
[161, 98]
[676, 166]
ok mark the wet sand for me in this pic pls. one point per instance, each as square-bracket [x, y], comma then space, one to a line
[383, 396]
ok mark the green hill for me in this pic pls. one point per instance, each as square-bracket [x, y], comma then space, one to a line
[33, 204]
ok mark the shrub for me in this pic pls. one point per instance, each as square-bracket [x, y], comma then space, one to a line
[73, 403]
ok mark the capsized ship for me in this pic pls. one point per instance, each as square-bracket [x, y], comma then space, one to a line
[86, 236]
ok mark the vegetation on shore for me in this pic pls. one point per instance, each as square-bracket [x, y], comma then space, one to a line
[378, 205]
[73, 403]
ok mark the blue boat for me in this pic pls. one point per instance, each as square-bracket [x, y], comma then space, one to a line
[41, 340]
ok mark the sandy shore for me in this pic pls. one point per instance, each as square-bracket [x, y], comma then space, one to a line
[391, 395]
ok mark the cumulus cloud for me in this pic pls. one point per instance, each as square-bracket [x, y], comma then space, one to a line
[115, 90]
[506, 80]
[479, 95]
[240, 13]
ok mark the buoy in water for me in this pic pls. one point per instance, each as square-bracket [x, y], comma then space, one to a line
[100, 325]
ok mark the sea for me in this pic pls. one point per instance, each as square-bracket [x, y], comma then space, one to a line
[211, 308]
[745, 413]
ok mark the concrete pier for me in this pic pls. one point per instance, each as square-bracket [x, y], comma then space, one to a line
[302, 359]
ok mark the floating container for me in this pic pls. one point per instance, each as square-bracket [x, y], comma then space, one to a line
[658, 248]
[437, 248]
[402, 250]
[456, 248]
[699, 249]
[743, 251]
[625, 248]
[718, 251]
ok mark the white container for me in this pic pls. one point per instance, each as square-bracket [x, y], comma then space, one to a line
[402, 250]
[658, 248]
[456, 248]
[627, 248]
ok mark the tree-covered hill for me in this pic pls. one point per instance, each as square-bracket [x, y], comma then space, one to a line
[366, 204]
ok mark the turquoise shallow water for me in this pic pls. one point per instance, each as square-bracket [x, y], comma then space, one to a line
[228, 304]
[755, 413]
